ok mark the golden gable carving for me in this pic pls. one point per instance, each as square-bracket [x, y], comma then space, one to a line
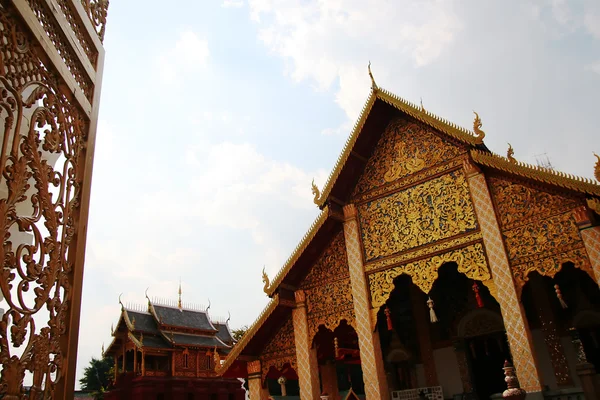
[420, 215]
[405, 148]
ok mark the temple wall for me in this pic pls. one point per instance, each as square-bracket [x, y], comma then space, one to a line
[280, 350]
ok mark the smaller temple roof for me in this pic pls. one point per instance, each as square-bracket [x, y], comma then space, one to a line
[156, 342]
[195, 340]
[224, 334]
[142, 322]
[183, 318]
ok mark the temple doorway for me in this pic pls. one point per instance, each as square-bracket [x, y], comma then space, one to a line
[339, 361]
[452, 345]
[282, 382]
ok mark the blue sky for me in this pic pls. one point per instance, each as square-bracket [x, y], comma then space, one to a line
[216, 115]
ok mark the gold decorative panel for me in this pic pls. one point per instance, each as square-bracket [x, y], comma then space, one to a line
[280, 350]
[405, 148]
[518, 204]
[470, 260]
[542, 236]
[327, 288]
[431, 211]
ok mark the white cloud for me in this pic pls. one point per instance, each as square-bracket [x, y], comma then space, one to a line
[189, 53]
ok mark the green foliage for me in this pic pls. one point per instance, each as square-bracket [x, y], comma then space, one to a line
[97, 376]
[238, 333]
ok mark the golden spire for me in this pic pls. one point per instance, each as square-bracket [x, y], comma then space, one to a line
[477, 128]
[510, 154]
[179, 302]
[373, 84]
[597, 168]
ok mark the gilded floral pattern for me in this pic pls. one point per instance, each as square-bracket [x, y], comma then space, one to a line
[470, 260]
[327, 288]
[405, 148]
[280, 350]
[423, 214]
[519, 204]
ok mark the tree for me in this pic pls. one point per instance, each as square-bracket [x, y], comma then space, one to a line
[238, 333]
[97, 376]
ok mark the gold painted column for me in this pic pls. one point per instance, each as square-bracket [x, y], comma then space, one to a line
[306, 357]
[143, 363]
[255, 382]
[374, 377]
[515, 322]
[591, 239]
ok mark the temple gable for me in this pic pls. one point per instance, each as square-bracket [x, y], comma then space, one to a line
[280, 350]
[405, 148]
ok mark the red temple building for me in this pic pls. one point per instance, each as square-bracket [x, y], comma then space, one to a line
[170, 352]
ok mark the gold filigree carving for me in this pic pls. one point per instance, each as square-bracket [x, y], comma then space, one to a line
[470, 260]
[594, 204]
[518, 204]
[430, 249]
[265, 279]
[280, 350]
[550, 265]
[477, 124]
[404, 148]
[423, 214]
[328, 289]
[316, 193]
[542, 236]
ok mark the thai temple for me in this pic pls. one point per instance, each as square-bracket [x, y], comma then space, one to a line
[435, 270]
[170, 351]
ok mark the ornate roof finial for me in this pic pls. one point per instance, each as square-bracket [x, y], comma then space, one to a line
[112, 329]
[265, 279]
[102, 350]
[228, 317]
[477, 128]
[422, 108]
[316, 192]
[597, 168]
[121, 303]
[373, 84]
[510, 154]
[179, 301]
[208, 308]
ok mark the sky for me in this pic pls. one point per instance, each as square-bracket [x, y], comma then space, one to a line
[216, 115]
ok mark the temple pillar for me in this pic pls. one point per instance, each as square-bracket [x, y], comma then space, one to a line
[135, 351]
[556, 351]
[591, 239]
[515, 322]
[257, 392]
[306, 356]
[329, 380]
[374, 377]
[143, 363]
[422, 323]
[463, 365]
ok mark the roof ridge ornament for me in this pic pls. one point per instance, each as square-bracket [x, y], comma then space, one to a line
[179, 306]
[265, 279]
[228, 317]
[597, 168]
[207, 308]
[373, 84]
[477, 128]
[510, 154]
[422, 108]
[121, 303]
[316, 192]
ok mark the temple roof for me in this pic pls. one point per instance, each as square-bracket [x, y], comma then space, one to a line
[183, 318]
[167, 327]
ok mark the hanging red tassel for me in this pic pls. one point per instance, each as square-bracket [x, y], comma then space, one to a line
[559, 295]
[388, 318]
[477, 295]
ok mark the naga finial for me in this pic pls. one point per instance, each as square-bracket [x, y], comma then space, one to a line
[121, 303]
[208, 308]
[597, 168]
[373, 84]
[316, 192]
[217, 358]
[477, 128]
[422, 108]
[228, 317]
[112, 329]
[265, 279]
[510, 154]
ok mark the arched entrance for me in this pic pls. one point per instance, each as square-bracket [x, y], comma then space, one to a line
[282, 381]
[437, 349]
[339, 360]
[556, 308]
